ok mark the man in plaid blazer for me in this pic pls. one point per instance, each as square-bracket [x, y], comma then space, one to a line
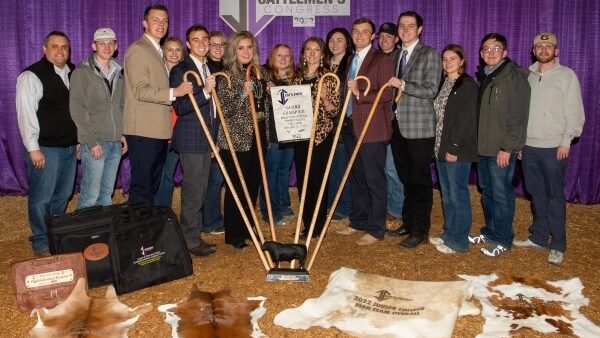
[418, 74]
[189, 138]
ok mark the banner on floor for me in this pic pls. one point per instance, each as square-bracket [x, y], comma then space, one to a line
[292, 112]
[366, 305]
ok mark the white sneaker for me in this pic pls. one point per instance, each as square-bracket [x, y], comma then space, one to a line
[494, 250]
[528, 244]
[443, 248]
[556, 257]
[436, 240]
[481, 239]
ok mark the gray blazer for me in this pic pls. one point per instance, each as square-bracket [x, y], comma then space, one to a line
[422, 75]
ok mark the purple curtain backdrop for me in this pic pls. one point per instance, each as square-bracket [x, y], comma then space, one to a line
[575, 22]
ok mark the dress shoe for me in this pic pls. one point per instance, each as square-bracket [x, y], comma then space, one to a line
[203, 243]
[367, 239]
[412, 241]
[347, 231]
[401, 231]
[203, 250]
[304, 235]
[240, 245]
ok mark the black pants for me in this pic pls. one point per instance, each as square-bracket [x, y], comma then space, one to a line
[413, 164]
[146, 158]
[320, 154]
[235, 228]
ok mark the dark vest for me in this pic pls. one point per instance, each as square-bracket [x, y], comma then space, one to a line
[57, 129]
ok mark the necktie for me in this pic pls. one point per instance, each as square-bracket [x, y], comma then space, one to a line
[402, 64]
[210, 101]
[351, 75]
[400, 73]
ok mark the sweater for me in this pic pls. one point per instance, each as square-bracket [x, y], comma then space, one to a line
[556, 113]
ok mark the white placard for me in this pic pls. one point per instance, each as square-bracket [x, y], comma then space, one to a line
[47, 278]
[293, 112]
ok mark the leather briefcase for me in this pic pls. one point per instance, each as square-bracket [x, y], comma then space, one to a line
[46, 282]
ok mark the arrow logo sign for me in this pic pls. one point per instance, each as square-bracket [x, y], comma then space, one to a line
[283, 95]
[241, 16]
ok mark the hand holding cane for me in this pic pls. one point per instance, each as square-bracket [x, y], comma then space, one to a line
[349, 167]
[215, 151]
[261, 159]
[330, 161]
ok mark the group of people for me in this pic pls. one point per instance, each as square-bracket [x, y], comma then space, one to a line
[102, 109]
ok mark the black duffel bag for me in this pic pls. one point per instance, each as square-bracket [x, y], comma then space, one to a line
[147, 249]
[88, 231]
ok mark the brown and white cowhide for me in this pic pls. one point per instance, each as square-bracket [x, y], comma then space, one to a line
[513, 305]
[81, 316]
[204, 314]
[67, 319]
[108, 317]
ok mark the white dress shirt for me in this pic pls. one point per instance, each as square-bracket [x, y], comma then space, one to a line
[29, 93]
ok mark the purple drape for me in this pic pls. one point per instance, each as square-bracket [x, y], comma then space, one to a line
[575, 22]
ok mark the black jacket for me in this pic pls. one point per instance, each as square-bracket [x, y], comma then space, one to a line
[459, 135]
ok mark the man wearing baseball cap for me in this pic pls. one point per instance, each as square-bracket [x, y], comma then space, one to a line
[388, 37]
[556, 117]
[96, 104]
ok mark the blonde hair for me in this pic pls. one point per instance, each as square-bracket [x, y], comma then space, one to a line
[230, 60]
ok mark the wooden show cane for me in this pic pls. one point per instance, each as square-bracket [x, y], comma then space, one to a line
[238, 169]
[349, 167]
[309, 155]
[261, 158]
[330, 160]
[215, 151]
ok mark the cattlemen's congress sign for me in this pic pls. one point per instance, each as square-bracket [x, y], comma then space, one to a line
[255, 15]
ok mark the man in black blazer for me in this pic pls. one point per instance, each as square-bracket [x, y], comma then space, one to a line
[190, 140]
[418, 75]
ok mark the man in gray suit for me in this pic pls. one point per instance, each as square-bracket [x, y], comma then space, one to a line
[418, 74]
[147, 114]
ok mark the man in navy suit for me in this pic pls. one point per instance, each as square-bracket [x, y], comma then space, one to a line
[190, 140]
[369, 188]
[418, 74]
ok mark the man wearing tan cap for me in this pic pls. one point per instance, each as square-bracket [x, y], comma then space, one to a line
[556, 117]
[96, 105]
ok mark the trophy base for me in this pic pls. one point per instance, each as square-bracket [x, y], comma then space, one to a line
[288, 275]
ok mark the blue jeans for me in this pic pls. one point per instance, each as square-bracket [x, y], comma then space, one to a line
[544, 180]
[395, 189]
[498, 199]
[164, 195]
[212, 218]
[49, 190]
[98, 182]
[456, 202]
[338, 167]
[278, 161]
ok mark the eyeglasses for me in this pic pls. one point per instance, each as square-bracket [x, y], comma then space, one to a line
[218, 45]
[488, 50]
